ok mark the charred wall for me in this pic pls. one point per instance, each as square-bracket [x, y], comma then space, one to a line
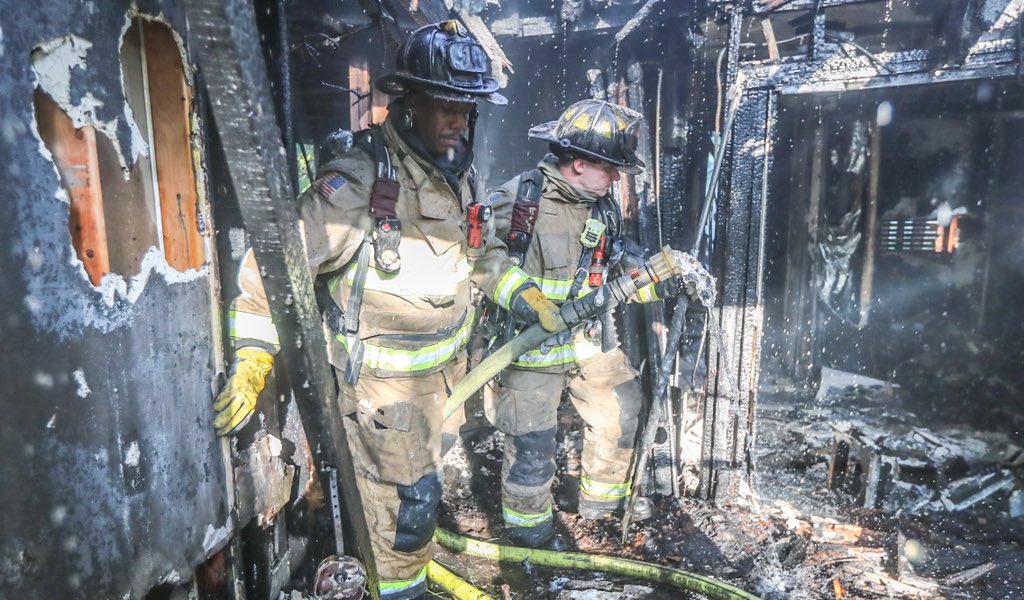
[113, 479]
[940, 321]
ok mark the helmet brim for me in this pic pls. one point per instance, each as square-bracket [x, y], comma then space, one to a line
[546, 132]
[401, 83]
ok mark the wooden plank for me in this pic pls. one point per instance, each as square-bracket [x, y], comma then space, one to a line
[74, 152]
[361, 102]
[171, 109]
[867, 278]
[379, 106]
[223, 36]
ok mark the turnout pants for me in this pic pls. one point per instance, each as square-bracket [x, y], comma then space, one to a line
[394, 432]
[524, 406]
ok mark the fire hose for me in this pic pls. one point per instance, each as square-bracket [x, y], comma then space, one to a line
[711, 588]
[453, 584]
[661, 266]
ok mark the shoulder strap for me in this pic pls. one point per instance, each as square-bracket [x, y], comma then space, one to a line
[610, 214]
[524, 214]
[591, 253]
[385, 235]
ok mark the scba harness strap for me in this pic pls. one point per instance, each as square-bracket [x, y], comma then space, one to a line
[600, 235]
[385, 235]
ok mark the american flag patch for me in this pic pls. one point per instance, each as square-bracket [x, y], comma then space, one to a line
[328, 184]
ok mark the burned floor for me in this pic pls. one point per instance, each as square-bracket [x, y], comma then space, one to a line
[845, 421]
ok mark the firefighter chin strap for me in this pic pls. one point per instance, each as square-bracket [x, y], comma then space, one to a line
[385, 235]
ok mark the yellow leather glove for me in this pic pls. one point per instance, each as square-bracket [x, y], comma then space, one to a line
[237, 401]
[531, 305]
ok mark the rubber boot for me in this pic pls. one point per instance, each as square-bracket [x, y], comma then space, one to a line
[643, 509]
[538, 537]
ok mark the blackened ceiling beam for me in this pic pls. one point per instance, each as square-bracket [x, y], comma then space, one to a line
[223, 36]
[424, 12]
[555, 19]
[765, 6]
[404, 15]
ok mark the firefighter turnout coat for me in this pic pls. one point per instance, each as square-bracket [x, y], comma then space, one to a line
[413, 325]
[602, 385]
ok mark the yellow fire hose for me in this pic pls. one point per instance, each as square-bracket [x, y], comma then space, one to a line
[453, 584]
[683, 580]
[495, 363]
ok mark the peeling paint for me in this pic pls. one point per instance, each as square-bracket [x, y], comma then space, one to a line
[53, 63]
[114, 291]
[114, 286]
[172, 577]
[139, 145]
[83, 390]
[216, 537]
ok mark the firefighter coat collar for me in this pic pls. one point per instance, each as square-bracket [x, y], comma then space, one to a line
[556, 182]
[423, 173]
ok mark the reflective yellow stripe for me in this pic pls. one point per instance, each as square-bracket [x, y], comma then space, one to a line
[384, 358]
[509, 282]
[557, 290]
[647, 294]
[554, 289]
[604, 491]
[415, 280]
[519, 519]
[395, 586]
[559, 355]
[246, 325]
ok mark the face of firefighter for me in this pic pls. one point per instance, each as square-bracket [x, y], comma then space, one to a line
[593, 177]
[442, 124]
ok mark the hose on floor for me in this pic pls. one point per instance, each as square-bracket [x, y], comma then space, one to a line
[453, 584]
[683, 580]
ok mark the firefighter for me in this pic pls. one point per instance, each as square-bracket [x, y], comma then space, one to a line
[385, 223]
[568, 249]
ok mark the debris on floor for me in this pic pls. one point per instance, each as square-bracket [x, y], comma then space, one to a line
[850, 502]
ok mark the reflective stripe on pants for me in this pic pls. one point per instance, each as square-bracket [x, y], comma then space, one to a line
[607, 396]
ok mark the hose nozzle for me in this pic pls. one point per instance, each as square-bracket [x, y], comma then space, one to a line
[664, 264]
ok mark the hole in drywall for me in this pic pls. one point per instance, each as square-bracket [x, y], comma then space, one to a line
[116, 217]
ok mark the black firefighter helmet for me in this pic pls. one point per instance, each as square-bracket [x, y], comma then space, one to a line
[446, 62]
[597, 130]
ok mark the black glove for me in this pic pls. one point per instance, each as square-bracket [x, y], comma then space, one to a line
[671, 288]
[559, 339]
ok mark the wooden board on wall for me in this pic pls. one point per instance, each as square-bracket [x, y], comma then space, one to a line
[171, 106]
[369, 106]
[74, 152]
[360, 109]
